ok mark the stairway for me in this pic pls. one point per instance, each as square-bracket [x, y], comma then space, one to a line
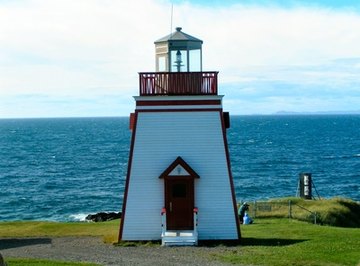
[179, 238]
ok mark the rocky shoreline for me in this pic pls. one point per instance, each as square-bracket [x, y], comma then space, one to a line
[103, 216]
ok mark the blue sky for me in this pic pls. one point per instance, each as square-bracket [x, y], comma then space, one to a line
[65, 58]
[281, 3]
[348, 5]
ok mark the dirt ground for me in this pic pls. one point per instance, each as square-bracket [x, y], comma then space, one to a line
[92, 249]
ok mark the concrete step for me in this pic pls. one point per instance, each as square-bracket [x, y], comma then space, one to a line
[179, 238]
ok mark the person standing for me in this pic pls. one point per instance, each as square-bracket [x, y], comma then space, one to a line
[243, 208]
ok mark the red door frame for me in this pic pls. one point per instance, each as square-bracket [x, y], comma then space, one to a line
[179, 216]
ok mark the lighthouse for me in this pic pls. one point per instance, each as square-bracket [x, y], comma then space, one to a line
[179, 187]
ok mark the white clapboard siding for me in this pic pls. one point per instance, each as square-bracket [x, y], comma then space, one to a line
[198, 138]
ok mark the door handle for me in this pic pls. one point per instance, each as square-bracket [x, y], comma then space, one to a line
[170, 206]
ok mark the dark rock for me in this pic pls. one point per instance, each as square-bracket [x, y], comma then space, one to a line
[103, 216]
[2, 261]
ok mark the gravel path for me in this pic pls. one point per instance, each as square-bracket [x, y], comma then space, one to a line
[92, 249]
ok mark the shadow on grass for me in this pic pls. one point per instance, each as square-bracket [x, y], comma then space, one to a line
[20, 242]
[145, 243]
[228, 243]
[271, 242]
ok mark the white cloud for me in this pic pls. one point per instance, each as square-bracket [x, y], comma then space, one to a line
[257, 36]
[93, 48]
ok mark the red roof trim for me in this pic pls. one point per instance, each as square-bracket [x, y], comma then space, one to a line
[174, 164]
[127, 182]
[178, 102]
[231, 180]
[180, 110]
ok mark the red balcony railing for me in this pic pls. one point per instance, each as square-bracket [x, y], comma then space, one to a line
[178, 83]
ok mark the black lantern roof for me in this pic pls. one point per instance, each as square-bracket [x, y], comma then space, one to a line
[181, 39]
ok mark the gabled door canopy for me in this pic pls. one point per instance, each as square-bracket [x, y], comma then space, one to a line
[179, 168]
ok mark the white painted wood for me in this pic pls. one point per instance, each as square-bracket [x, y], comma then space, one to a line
[179, 171]
[160, 138]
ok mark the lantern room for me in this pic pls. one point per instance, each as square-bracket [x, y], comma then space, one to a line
[178, 52]
[178, 68]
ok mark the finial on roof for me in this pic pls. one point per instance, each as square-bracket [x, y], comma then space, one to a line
[178, 28]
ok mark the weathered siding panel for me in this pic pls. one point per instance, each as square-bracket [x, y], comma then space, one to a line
[198, 138]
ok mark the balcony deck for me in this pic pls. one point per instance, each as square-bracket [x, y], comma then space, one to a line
[178, 83]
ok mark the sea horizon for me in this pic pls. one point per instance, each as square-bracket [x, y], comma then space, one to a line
[61, 169]
[277, 113]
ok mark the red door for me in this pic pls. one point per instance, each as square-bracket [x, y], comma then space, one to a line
[179, 202]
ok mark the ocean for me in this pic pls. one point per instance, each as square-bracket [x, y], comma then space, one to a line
[61, 169]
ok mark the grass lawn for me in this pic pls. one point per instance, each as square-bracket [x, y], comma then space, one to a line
[335, 211]
[36, 262]
[107, 230]
[269, 241]
[291, 242]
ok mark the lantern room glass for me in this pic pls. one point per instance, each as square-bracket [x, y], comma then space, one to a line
[185, 60]
[178, 52]
[178, 61]
[195, 60]
[161, 63]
